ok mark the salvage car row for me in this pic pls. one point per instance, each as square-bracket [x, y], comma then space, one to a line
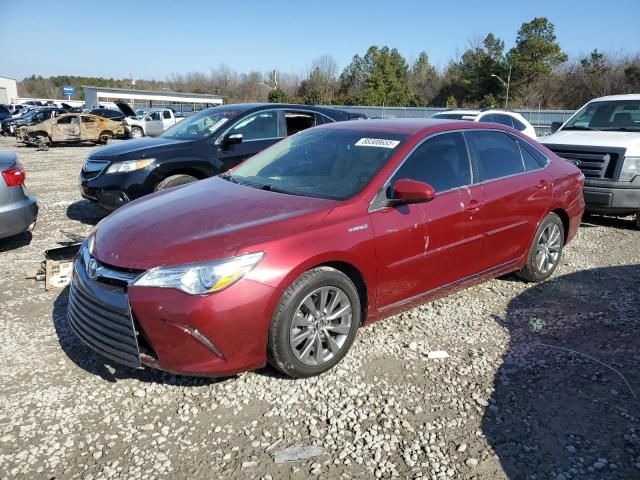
[282, 257]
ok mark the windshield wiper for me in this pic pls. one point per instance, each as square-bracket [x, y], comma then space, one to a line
[581, 127]
[229, 178]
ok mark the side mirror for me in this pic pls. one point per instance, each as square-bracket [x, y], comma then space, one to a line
[555, 126]
[412, 191]
[148, 119]
[231, 139]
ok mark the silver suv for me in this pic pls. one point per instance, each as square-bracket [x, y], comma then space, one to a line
[18, 209]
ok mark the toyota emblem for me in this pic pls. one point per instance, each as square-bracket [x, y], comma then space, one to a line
[92, 269]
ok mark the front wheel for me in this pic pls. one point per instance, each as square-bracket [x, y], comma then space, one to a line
[314, 324]
[136, 132]
[546, 250]
[175, 181]
[638, 219]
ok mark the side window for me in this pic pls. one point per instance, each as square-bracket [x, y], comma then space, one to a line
[262, 125]
[154, 116]
[503, 119]
[531, 161]
[489, 117]
[518, 125]
[298, 121]
[496, 154]
[166, 114]
[441, 161]
[66, 120]
[87, 119]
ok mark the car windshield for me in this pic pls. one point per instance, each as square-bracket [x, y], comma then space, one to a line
[613, 115]
[200, 125]
[323, 163]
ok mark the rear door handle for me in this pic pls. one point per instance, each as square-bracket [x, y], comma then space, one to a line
[474, 206]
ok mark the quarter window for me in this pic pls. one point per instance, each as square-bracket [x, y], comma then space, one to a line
[263, 125]
[441, 161]
[496, 154]
[298, 121]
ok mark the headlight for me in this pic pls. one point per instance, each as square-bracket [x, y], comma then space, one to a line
[630, 168]
[129, 165]
[201, 278]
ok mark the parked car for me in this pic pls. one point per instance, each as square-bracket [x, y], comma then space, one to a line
[30, 118]
[283, 258]
[18, 209]
[492, 115]
[152, 124]
[202, 145]
[70, 128]
[603, 140]
[5, 112]
[111, 114]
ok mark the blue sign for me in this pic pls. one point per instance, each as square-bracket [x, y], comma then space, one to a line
[68, 91]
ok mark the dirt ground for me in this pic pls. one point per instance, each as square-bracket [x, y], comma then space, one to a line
[542, 381]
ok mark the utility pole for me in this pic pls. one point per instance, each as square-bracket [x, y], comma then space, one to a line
[506, 85]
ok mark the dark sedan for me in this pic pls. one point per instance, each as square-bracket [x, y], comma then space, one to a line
[200, 146]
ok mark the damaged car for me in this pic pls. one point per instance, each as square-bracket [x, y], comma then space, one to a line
[70, 128]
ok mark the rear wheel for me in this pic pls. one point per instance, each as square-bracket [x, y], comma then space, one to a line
[314, 324]
[175, 181]
[105, 137]
[546, 250]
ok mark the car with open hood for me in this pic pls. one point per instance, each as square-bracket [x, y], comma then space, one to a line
[283, 258]
[202, 145]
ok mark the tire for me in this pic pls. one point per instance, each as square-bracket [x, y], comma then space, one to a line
[175, 181]
[546, 250]
[302, 358]
[104, 137]
[136, 132]
[43, 143]
[637, 221]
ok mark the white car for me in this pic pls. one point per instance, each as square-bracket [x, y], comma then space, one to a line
[603, 140]
[504, 117]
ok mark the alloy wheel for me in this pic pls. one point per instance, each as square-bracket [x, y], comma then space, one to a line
[320, 326]
[548, 248]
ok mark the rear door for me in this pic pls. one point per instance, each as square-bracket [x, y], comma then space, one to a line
[167, 120]
[515, 198]
[89, 128]
[153, 124]
[259, 130]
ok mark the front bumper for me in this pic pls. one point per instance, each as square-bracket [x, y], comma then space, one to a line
[612, 200]
[214, 335]
[115, 190]
[18, 217]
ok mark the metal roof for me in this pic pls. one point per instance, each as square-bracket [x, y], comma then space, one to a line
[132, 91]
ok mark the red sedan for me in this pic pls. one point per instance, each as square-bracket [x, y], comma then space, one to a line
[282, 259]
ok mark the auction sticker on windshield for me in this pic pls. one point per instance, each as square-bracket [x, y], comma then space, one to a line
[377, 142]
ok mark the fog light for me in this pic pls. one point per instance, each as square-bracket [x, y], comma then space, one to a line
[31, 227]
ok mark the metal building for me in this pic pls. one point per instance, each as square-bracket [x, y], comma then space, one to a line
[179, 101]
[8, 90]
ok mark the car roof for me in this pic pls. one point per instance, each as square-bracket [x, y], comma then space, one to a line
[460, 112]
[629, 96]
[409, 126]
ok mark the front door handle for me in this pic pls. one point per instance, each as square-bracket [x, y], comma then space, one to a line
[541, 184]
[474, 206]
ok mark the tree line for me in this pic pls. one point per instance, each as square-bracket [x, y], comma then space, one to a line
[538, 71]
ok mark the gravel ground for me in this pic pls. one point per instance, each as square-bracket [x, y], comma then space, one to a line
[541, 382]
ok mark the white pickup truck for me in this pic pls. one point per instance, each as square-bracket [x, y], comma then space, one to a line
[151, 124]
[603, 140]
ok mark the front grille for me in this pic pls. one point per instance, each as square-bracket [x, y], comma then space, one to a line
[601, 163]
[100, 316]
[92, 168]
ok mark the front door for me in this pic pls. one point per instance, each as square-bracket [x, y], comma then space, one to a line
[259, 131]
[153, 124]
[427, 246]
[66, 128]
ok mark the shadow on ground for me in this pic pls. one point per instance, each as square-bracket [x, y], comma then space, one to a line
[567, 397]
[17, 241]
[96, 364]
[623, 223]
[86, 212]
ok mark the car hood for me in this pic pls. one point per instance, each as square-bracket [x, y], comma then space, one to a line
[138, 148]
[206, 220]
[628, 140]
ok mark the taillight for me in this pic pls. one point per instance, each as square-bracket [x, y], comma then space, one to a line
[14, 176]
